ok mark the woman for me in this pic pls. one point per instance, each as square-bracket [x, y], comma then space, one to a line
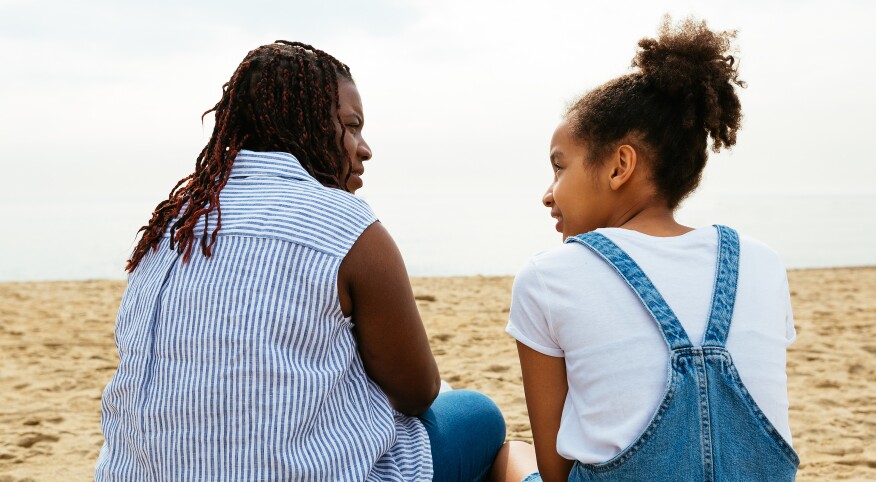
[287, 344]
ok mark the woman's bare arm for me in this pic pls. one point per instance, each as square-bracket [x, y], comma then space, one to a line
[545, 386]
[375, 290]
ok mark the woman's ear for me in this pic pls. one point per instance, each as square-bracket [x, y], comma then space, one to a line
[622, 165]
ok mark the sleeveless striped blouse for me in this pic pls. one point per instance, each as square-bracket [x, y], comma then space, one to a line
[242, 366]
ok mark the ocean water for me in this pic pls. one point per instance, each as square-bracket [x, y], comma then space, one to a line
[443, 236]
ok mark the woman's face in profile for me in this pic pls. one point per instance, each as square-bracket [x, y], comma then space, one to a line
[354, 120]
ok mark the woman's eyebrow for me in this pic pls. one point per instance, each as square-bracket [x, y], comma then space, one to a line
[356, 116]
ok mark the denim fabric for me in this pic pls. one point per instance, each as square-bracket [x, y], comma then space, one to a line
[466, 431]
[707, 426]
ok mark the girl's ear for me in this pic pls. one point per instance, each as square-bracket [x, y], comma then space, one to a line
[622, 165]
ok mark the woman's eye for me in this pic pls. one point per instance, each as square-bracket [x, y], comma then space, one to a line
[556, 167]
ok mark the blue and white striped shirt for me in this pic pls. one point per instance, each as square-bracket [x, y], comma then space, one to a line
[242, 366]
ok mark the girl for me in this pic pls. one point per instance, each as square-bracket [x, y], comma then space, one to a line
[269, 330]
[651, 350]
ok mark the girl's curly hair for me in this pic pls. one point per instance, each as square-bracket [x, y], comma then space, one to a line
[682, 93]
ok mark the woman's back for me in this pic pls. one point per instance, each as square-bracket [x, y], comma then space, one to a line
[569, 302]
[242, 365]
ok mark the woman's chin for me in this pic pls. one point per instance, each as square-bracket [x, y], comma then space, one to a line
[354, 183]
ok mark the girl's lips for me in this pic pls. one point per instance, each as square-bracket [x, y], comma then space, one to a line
[559, 226]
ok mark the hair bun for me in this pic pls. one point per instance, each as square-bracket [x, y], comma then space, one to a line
[692, 64]
[688, 55]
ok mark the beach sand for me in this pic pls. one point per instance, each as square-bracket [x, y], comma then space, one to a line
[56, 340]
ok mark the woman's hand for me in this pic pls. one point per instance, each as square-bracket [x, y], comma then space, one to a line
[375, 289]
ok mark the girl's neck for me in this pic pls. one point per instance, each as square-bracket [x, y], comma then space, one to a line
[651, 220]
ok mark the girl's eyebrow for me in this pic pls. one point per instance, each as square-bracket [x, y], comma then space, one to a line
[556, 155]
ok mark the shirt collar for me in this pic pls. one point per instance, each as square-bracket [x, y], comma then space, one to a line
[269, 164]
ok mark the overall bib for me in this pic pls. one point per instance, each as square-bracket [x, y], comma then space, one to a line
[707, 427]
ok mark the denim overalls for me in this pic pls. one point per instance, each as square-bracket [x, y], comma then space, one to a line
[707, 426]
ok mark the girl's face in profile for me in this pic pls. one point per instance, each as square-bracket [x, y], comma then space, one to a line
[578, 201]
[354, 120]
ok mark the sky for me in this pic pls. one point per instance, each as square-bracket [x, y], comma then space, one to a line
[101, 101]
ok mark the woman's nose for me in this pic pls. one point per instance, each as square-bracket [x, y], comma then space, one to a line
[364, 151]
[548, 198]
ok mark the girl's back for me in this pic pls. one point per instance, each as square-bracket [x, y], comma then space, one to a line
[569, 302]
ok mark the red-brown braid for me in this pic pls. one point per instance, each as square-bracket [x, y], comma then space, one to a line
[282, 97]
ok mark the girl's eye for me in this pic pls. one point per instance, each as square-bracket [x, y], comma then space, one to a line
[556, 167]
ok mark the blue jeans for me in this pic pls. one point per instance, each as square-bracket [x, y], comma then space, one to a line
[466, 430]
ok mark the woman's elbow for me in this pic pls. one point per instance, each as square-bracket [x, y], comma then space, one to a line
[416, 402]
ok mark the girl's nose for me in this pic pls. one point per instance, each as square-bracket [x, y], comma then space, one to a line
[548, 198]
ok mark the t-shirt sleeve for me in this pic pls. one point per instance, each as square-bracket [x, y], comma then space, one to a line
[790, 331]
[530, 320]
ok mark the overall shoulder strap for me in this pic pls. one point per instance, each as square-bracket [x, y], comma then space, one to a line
[668, 323]
[724, 294]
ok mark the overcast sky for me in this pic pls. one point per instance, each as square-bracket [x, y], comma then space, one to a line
[101, 100]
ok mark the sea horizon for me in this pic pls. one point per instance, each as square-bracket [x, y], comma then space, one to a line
[51, 242]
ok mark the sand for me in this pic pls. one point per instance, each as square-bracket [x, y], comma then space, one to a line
[58, 353]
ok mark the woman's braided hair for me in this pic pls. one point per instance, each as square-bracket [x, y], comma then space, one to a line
[682, 93]
[282, 97]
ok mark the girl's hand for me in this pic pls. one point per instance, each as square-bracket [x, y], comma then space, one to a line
[545, 386]
[374, 288]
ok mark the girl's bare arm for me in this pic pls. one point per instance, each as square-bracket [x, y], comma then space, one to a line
[545, 386]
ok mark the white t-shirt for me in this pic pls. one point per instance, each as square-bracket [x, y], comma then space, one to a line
[568, 302]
